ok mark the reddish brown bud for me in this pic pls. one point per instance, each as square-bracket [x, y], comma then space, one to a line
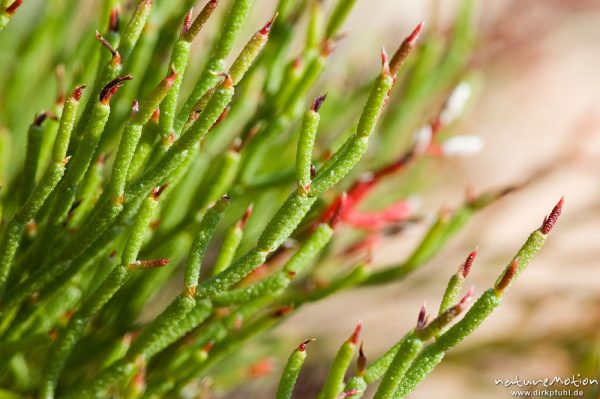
[313, 171]
[466, 267]
[404, 50]
[356, 334]
[227, 81]
[267, 28]
[283, 310]
[318, 102]
[12, 8]
[149, 264]
[245, 217]
[422, 319]
[509, 274]
[302, 346]
[113, 22]
[158, 191]
[78, 92]
[155, 116]
[187, 22]
[42, 116]
[112, 87]
[361, 362]
[412, 38]
[551, 219]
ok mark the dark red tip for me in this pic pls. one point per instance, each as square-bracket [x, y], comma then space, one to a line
[78, 92]
[111, 88]
[11, 9]
[41, 117]
[303, 345]
[318, 102]
[187, 22]
[245, 217]
[507, 277]
[361, 362]
[356, 334]
[113, 22]
[159, 190]
[551, 219]
[412, 38]
[283, 310]
[422, 319]
[466, 267]
[267, 28]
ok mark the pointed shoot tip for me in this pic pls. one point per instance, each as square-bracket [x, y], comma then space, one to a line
[267, 28]
[466, 266]
[303, 345]
[318, 102]
[12, 8]
[355, 334]
[551, 219]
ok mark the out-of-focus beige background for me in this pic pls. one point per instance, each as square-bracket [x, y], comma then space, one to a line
[539, 106]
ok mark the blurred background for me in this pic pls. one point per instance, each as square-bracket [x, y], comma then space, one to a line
[537, 109]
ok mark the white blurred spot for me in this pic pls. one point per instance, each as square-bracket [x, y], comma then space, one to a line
[456, 103]
[462, 146]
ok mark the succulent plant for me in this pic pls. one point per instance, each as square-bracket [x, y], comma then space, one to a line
[230, 175]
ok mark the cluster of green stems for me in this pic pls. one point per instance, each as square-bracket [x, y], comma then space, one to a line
[114, 195]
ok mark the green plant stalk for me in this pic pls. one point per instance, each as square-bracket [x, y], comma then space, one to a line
[276, 283]
[14, 229]
[141, 114]
[115, 280]
[409, 349]
[314, 31]
[334, 383]
[306, 142]
[481, 309]
[32, 155]
[286, 107]
[207, 229]
[127, 42]
[291, 372]
[455, 284]
[338, 16]
[106, 212]
[179, 59]
[65, 193]
[90, 191]
[231, 242]
[208, 78]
